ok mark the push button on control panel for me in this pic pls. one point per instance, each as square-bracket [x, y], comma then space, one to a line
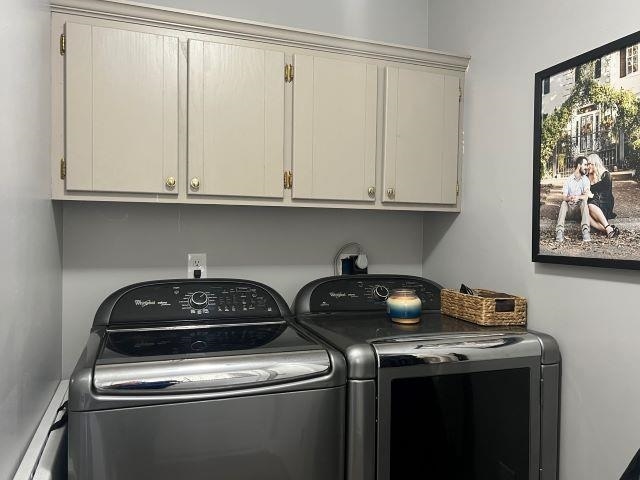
[199, 345]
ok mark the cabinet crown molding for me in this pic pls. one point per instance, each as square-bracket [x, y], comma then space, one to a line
[247, 30]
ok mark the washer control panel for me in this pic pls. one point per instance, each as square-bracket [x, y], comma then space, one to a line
[363, 292]
[193, 301]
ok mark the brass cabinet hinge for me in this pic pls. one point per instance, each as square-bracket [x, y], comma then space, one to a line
[457, 189]
[288, 179]
[459, 94]
[288, 73]
[63, 44]
[63, 168]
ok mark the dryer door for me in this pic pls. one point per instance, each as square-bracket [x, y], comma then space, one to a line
[459, 407]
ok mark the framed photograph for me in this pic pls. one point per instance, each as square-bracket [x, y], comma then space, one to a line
[586, 159]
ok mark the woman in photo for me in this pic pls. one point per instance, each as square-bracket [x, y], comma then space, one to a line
[601, 199]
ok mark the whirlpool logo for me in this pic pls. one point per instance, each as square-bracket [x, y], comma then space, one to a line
[144, 303]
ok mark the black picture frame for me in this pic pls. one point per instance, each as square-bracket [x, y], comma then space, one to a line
[542, 255]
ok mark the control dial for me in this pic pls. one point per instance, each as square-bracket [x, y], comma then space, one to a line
[380, 292]
[198, 300]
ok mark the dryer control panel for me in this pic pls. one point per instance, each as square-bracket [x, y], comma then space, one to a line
[363, 293]
[170, 301]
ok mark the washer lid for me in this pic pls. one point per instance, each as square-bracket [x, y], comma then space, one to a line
[200, 339]
[196, 357]
[208, 373]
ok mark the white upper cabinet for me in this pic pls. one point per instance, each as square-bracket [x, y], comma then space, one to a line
[159, 105]
[421, 136]
[334, 128]
[235, 120]
[121, 110]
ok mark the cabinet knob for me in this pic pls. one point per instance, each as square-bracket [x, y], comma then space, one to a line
[195, 183]
[170, 182]
[372, 191]
[391, 193]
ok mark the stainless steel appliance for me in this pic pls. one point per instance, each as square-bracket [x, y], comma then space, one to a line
[442, 398]
[204, 379]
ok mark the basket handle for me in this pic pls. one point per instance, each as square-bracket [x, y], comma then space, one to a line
[505, 305]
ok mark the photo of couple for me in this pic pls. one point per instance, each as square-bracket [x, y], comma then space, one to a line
[587, 159]
[592, 212]
[587, 196]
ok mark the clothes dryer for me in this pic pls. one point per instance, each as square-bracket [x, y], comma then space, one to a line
[442, 398]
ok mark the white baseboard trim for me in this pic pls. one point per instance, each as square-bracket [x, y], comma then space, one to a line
[40, 457]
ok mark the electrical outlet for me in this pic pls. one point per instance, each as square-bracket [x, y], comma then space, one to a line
[196, 265]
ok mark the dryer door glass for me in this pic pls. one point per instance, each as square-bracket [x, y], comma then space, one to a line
[471, 425]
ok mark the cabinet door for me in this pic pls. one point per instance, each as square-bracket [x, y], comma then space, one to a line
[121, 107]
[421, 136]
[334, 128]
[236, 120]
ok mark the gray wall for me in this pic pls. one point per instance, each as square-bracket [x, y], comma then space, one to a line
[592, 312]
[30, 295]
[388, 21]
[107, 246]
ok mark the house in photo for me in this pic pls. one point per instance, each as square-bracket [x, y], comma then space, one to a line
[591, 127]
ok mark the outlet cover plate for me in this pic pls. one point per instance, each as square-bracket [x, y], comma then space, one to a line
[196, 261]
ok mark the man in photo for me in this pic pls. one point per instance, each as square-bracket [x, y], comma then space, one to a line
[574, 200]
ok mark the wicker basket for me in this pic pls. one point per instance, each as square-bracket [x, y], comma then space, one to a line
[484, 308]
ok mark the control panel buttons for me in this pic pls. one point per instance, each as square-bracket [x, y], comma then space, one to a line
[206, 299]
[380, 292]
[226, 300]
[198, 300]
[369, 293]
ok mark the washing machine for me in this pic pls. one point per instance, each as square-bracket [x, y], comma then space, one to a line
[441, 398]
[201, 379]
